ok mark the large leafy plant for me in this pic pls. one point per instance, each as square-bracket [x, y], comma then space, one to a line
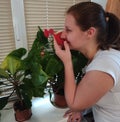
[26, 78]
[24, 73]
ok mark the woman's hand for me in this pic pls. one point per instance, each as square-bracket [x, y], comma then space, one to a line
[63, 54]
[73, 116]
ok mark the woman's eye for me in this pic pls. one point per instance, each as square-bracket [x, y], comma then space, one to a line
[68, 30]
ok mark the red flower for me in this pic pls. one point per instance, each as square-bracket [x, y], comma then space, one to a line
[58, 38]
[48, 32]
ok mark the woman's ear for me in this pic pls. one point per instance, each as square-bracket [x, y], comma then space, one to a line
[91, 32]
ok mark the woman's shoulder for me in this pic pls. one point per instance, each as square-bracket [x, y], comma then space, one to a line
[111, 53]
[105, 60]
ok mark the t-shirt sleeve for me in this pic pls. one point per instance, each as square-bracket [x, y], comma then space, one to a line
[107, 65]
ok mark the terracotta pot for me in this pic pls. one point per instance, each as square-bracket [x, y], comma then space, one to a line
[21, 114]
[24, 115]
[59, 101]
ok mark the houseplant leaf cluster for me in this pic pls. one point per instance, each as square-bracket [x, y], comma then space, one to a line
[24, 73]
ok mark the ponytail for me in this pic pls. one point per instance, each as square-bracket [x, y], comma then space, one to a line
[113, 31]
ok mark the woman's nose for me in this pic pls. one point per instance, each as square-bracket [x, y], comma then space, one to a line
[63, 35]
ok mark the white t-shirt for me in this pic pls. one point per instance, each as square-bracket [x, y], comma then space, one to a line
[107, 109]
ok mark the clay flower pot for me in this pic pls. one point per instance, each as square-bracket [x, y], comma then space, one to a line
[59, 101]
[24, 115]
[21, 113]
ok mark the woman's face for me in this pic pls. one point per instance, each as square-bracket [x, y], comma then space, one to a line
[73, 34]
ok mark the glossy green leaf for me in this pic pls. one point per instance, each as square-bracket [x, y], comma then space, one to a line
[39, 77]
[53, 66]
[27, 100]
[3, 74]
[13, 61]
[19, 53]
[3, 102]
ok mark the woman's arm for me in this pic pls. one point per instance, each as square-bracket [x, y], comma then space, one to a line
[92, 87]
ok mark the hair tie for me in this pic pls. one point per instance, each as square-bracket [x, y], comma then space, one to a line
[107, 15]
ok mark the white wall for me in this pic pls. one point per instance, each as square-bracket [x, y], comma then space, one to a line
[101, 2]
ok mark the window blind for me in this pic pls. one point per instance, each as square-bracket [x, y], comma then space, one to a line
[7, 42]
[46, 14]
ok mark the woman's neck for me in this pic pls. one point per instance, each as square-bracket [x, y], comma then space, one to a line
[89, 53]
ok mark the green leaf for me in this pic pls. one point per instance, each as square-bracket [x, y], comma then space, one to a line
[39, 76]
[39, 92]
[13, 61]
[14, 65]
[27, 100]
[27, 87]
[41, 37]
[19, 53]
[54, 65]
[3, 74]
[3, 102]
[40, 41]
[31, 90]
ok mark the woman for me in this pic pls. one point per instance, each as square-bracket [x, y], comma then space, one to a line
[96, 34]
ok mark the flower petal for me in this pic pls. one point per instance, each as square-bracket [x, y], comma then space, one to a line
[46, 33]
[58, 38]
[51, 31]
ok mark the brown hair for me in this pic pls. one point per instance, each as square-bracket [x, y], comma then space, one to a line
[90, 14]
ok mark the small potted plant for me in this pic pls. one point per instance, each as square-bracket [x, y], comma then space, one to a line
[54, 68]
[25, 75]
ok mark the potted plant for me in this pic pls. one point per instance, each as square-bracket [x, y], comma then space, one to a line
[55, 69]
[53, 66]
[25, 75]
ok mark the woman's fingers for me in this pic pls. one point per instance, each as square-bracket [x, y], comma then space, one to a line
[63, 54]
[67, 113]
[66, 46]
[76, 117]
[73, 116]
